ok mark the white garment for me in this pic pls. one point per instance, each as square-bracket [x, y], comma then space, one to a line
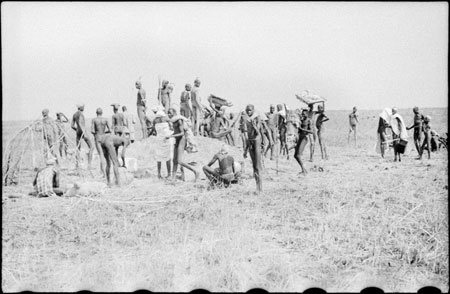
[399, 129]
[164, 147]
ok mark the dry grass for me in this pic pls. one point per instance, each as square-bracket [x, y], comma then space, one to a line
[362, 222]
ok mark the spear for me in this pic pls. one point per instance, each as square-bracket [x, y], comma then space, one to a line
[159, 90]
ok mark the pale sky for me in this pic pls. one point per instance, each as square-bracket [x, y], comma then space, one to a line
[370, 55]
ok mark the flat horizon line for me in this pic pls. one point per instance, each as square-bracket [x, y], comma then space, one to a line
[327, 110]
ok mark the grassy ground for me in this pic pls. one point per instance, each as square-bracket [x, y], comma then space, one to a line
[364, 221]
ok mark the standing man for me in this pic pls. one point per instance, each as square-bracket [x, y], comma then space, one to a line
[166, 99]
[321, 118]
[353, 121]
[99, 127]
[313, 136]
[418, 131]
[129, 124]
[62, 132]
[79, 126]
[141, 107]
[252, 127]
[161, 90]
[271, 125]
[185, 102]
[50, 132]
[196, 106]
[110, 145]
[118, 121]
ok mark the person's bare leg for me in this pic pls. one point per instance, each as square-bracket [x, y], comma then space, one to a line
[255, 155]
[101, 157]
[180, 159]
[299, 151]
[312, 145]
[115, 163]
[91, 150]
[158, 164]
[210, 173]
[77, 151]
[168, 168]
[108, 164]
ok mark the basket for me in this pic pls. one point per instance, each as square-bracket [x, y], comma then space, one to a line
[401, 146]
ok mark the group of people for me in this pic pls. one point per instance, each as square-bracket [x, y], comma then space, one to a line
[424, 137]
[259, 132]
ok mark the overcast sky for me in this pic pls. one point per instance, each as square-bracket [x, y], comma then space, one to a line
[372, 55]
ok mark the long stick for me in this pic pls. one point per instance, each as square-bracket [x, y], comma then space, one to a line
[159, 90]
[276, 136]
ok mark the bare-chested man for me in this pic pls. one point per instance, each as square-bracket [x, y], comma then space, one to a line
[312, 136]
[166, 99]
[118, 121]
[272, 126]
[196, 106]
[99, 127]
[252, 127]
[218, 122]
[61, 119]
[179, 134]
[282, 126]
[418, 130]
[79, 126]
[303, 136]
[426, 126]
[110, 144]
[353, 123]
[129, 124]
[225, 173]
[50, 132]
[267, 139]
[185, 102]
[141, 107]
[321, 118]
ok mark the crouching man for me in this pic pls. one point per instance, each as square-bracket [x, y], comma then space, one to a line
[110, 146]
[226, 174]
[46, 182]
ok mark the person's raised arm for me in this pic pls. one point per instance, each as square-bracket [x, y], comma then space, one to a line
[214, 159]
[108, 126]
[93, 127]
[73, 123]
[325, 118]
[65, 118]
[143, 97]
[238, 117]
